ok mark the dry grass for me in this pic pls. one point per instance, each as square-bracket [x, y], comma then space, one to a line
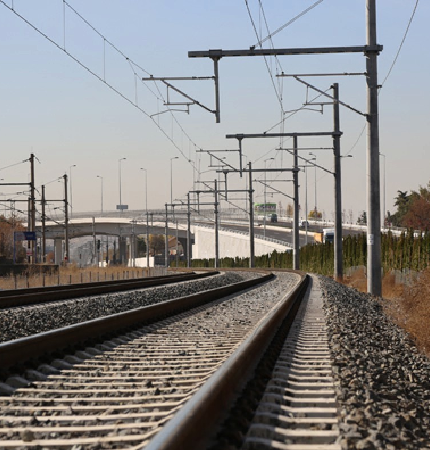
[357, 280]
[415, 309]
[73, 274]
[408, 306]
[391, 289]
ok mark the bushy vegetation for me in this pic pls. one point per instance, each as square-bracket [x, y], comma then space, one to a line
[413, 210]
[7, 227]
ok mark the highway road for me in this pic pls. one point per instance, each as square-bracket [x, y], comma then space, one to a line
[281, 231]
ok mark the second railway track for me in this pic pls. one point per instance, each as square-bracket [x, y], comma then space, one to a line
[31, 296]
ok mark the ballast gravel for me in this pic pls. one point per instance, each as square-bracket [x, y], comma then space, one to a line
[25, 321]
[383, 381]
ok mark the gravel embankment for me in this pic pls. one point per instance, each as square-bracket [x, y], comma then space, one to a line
[383, 381]
[20, 322]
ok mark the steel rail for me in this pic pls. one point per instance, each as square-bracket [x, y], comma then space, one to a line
[20, 351]
[195, 423]
[43, 289]
[30, 296]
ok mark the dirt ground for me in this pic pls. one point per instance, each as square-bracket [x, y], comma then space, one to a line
[409, 306]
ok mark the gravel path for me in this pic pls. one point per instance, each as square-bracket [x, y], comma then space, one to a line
[25, 321]
[383, 381]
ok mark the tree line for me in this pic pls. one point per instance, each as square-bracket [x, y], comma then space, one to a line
[410, 250]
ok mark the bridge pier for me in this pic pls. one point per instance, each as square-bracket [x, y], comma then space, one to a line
[58, 251]
[133, 250]
[184, 242]
[122, 249]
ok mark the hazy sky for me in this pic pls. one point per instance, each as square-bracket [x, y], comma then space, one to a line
[55, 108]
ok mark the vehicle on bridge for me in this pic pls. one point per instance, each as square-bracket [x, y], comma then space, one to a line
[303, 224]
[326, 235]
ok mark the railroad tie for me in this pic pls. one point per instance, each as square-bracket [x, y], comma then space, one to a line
[298, 410]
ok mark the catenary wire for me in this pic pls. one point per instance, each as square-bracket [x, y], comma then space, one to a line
[123, 96]
[401, 43]
[270, 35]
[133, 63]
[16, 164]
[278, 96]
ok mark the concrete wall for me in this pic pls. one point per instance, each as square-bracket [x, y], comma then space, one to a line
[141, 262]
[230, 244]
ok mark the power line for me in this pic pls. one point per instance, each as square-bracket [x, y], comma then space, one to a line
[104, 37]
[123, 96]
[278, 65]
[133, 64]
[289, 22]
[16, 164]
[401, 43]
[356, 142]
[265, 58]
[272, 44]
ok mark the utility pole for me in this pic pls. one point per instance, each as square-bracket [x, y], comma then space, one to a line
[338, 266]
[43, 204]
[251, 221]
[71, 191]
[147, 241]
[29, 243]
[383, 202]
[306, 205]
[66, 221]
[374, 276]
[177, 246]
[265, 197]
[296, 243]
[133, 246]
[188, 231]
[166, 247]
[32, 206]
[216, 224]
[94, 252]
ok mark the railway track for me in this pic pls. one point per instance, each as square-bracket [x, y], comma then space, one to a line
[90, 318]
[299, 408]
[21, 297]
[120, 393]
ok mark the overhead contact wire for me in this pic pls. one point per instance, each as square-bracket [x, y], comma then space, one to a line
[96, 76]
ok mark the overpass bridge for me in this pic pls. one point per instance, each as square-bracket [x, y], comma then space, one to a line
[232, 243]
[125, 226]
